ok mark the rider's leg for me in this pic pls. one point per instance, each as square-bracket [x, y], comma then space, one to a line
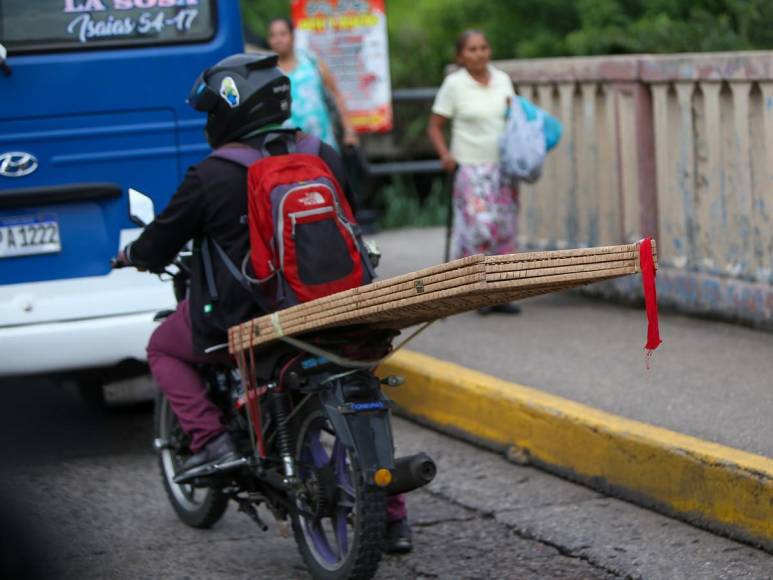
[399, 538]
[172, 363]
[396, 508]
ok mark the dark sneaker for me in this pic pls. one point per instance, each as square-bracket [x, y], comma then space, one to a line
[508, 308]
[399, 538]
[219, 450]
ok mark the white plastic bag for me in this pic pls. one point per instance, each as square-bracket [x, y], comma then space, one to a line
[522, 148]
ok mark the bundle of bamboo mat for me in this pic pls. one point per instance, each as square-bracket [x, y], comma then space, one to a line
[442, 291]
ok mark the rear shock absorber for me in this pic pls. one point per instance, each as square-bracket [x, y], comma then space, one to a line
[280, 404]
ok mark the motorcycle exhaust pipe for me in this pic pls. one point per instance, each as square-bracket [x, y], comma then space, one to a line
[411, 472]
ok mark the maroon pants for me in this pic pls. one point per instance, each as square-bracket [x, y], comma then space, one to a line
[173, 365]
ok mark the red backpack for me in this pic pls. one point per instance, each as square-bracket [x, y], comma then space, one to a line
[304, 240]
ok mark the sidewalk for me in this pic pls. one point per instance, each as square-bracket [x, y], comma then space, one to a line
[711, 380]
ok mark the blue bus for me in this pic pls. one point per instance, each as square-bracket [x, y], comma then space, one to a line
[92, 102]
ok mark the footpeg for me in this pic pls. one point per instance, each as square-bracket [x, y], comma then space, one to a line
[209, 470]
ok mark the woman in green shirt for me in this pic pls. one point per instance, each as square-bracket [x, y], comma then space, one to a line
[310, 78]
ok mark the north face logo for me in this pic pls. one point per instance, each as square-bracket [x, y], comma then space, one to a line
[312, 198]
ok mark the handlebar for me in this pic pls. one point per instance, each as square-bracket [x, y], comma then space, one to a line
[180, 262]
[180, 278]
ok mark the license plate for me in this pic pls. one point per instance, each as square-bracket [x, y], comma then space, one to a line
[29, 235]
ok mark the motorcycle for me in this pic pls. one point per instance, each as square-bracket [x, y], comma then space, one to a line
[314, 439]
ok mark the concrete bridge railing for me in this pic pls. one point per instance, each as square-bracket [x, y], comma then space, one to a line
[678, 147]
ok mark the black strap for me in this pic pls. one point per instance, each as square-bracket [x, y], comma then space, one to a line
[209, 273]
[240, 277]
[364, 251]
[235, 272]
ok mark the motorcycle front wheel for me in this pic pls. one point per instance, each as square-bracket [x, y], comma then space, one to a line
[339, 522]
[196, 507]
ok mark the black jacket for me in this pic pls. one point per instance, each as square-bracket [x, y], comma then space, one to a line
[211, 203]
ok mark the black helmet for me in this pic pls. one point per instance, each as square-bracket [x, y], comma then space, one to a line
[241, 93]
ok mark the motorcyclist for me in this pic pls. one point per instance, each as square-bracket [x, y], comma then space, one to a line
[245, 98]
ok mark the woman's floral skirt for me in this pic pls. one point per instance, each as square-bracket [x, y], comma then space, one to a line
[485, 212]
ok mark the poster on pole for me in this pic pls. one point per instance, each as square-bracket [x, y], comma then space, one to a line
[351, 37]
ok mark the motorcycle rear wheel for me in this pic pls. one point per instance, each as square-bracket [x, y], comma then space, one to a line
[196, 507]
[349, 544]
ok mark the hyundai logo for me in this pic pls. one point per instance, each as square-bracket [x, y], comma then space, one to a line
[17, 164]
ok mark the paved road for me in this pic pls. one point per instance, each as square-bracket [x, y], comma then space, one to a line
[89, 484]
[709, 379]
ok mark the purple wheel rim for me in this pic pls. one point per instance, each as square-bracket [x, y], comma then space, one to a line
[331, 543]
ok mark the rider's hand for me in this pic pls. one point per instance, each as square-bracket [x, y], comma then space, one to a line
[121, 261]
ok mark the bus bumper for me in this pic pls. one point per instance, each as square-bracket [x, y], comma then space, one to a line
[77, 344]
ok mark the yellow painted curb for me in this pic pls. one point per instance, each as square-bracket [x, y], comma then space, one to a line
[711, 485]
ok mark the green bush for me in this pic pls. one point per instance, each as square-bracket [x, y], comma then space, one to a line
[403, 207]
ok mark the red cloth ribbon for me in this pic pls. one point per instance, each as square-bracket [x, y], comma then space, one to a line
[647, 264]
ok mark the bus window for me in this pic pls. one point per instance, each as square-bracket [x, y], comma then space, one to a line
[45, 25]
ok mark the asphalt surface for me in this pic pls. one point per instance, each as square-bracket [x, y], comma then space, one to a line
[708, 379]
[89, 504]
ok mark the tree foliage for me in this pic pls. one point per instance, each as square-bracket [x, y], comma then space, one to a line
[424, 31]
[545, 28]
[256, 13]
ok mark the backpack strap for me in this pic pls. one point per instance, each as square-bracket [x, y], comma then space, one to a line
[308, 144]
[245, 155]
[239, 276]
